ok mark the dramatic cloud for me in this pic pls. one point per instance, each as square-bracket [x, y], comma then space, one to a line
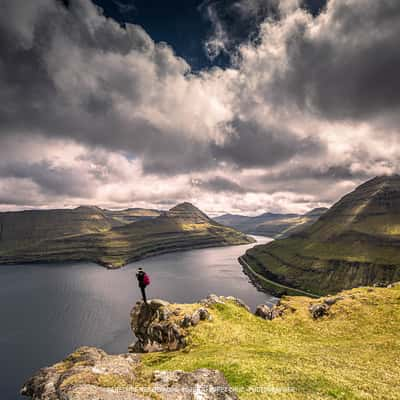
[72, 73]
[95, 112]
[343, 64]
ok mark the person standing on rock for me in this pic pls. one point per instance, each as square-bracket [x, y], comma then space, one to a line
[143, 281]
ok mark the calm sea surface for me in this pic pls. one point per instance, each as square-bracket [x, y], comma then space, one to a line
[47, 310]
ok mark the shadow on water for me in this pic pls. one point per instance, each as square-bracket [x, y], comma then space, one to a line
[47, 310]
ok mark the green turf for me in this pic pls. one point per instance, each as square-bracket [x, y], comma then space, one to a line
[351, 354]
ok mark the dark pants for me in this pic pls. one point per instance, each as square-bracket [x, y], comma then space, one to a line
[143, 290]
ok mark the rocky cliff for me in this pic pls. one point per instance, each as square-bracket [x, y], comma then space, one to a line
[159, 325]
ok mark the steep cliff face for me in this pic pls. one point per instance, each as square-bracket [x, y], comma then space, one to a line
[357, 242]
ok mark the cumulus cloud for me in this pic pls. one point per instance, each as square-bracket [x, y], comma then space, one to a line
[342, 65]
[72, 73]
[93, 112]
[219, 184]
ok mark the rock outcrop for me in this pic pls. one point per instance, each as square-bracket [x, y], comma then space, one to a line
[270, 313]
[212, 299]
[318, 310]
[92, 374]
[161, 326]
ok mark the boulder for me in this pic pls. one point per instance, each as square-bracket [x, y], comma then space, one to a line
[318, 310]
[195, 319]
[92, 374]
[212, 299]
[204, 314]
[330, 301]
[263, 311]
[278, 310]
[207, 385]
[185, 323]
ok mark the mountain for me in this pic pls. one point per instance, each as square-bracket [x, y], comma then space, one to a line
[270, 224]
[108, 237]
[356, 242]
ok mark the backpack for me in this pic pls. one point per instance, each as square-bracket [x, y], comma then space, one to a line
[146, 279]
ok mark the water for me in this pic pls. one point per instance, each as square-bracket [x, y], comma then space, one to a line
[47, 310]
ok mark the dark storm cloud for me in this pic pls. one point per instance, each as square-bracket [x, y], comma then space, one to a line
[328, 173]
[71, 73]
[252, 145]
[348, 69]
[321, 182]
[301, 103]
[220, 184]
[50, 179]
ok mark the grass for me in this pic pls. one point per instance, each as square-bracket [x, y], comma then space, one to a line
[353, 353]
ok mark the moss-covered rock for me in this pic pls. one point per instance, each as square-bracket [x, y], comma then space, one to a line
[159, 325]
[90, 373]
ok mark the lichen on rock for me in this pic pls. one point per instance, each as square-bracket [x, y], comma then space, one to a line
[91, 374]
[270, 313]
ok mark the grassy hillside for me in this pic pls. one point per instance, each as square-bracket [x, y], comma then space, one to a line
[350, 354]
[89, 233]
[270, 224]
[123, 217]
[357, 242]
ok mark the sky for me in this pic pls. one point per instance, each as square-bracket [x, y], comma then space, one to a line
[239, 106]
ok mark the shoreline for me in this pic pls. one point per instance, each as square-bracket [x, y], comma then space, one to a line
[272, 287]
[110, 266]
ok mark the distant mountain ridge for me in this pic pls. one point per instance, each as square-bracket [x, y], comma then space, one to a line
[271, 224]
[355, 243]
[111, 238]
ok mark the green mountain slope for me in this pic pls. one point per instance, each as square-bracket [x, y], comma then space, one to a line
[89, 233]
[270, 224]
[357, 242]
[122, 217]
